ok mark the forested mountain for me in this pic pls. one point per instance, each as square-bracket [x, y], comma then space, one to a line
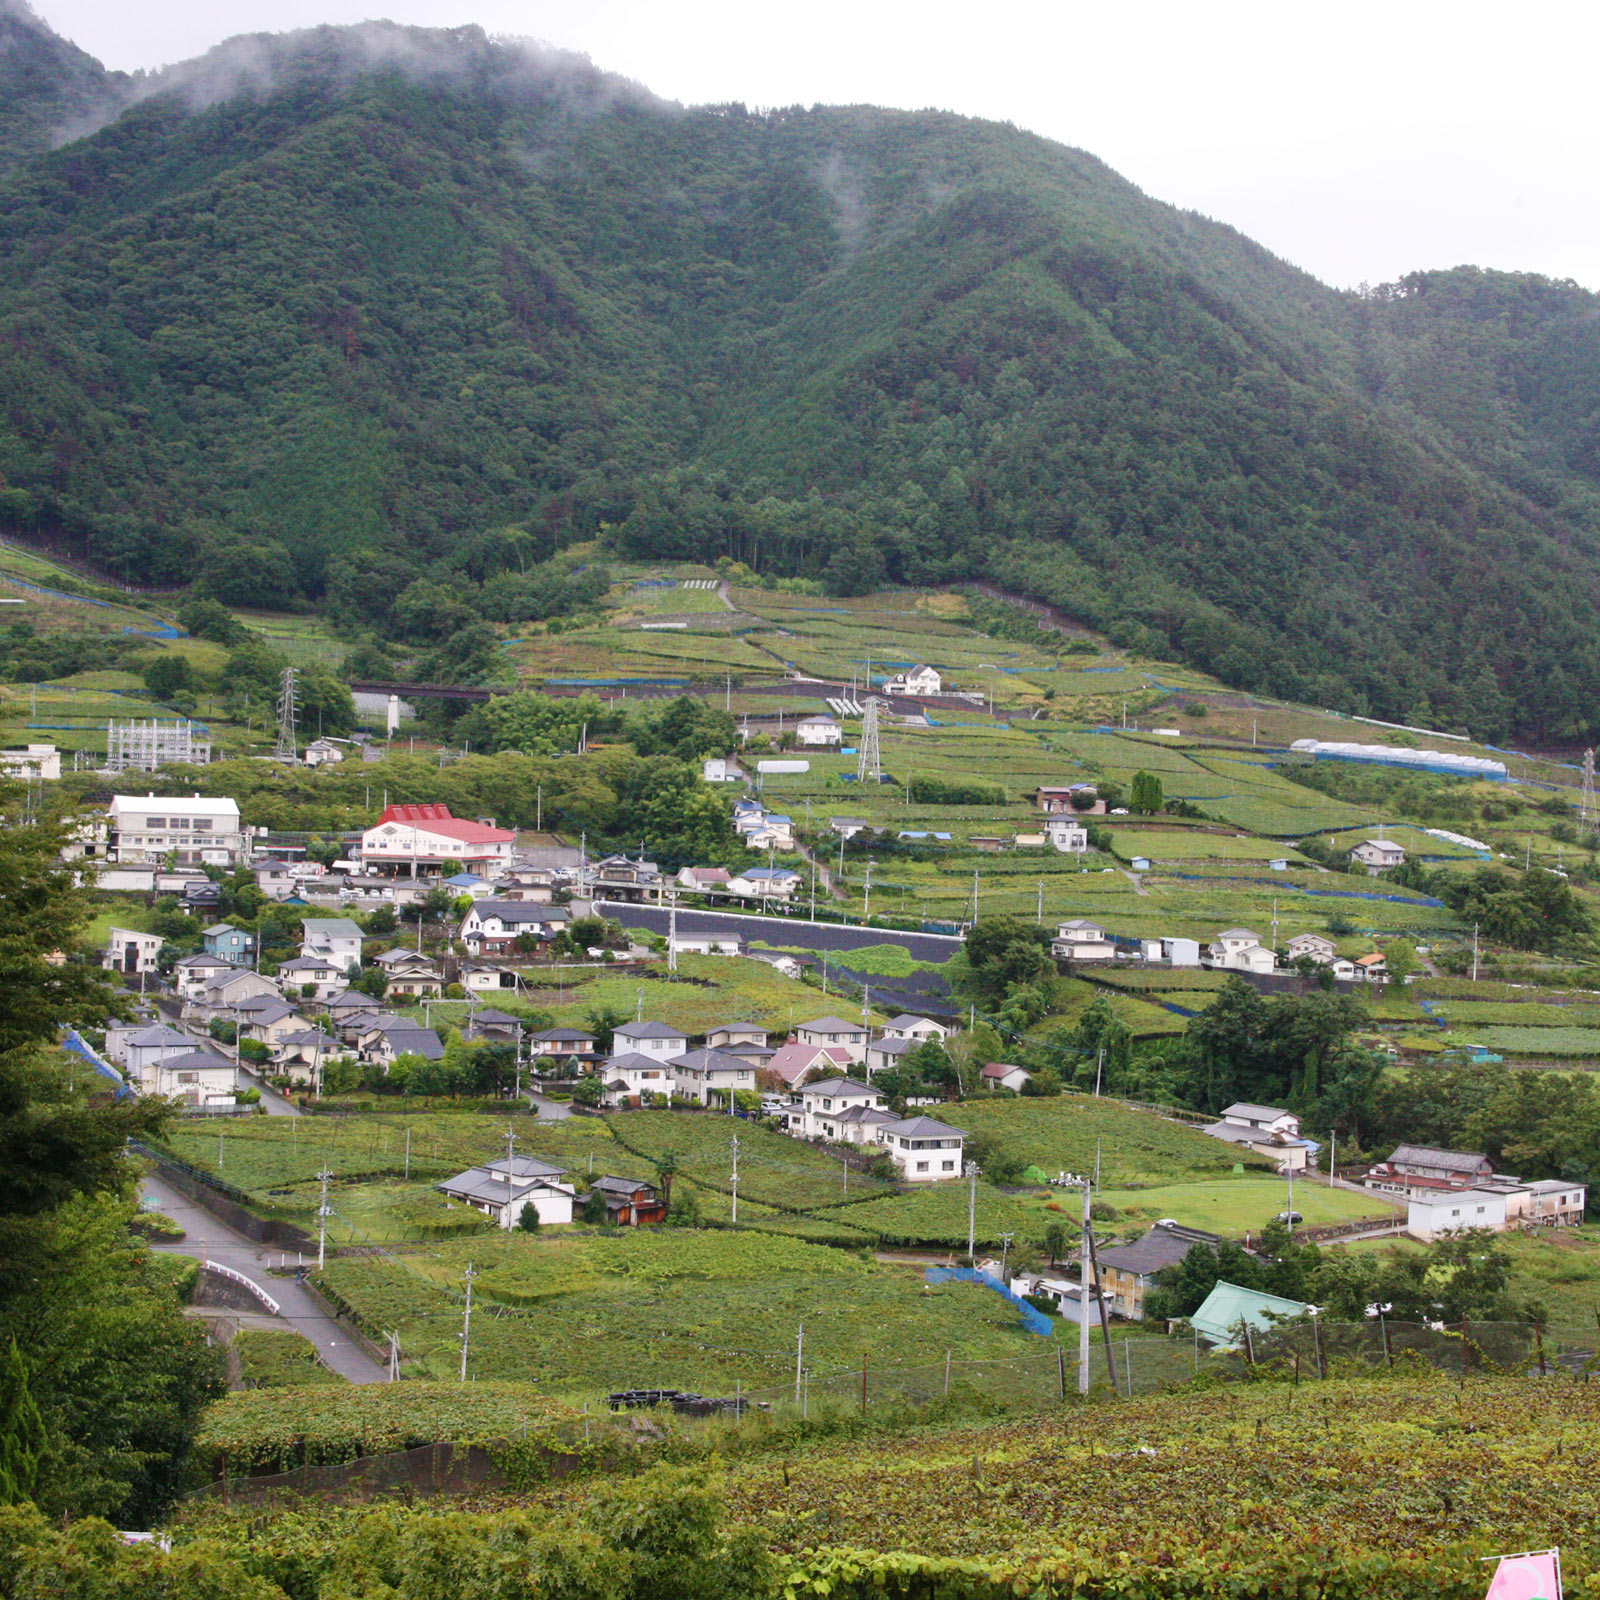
[326, 312]
[48, 87]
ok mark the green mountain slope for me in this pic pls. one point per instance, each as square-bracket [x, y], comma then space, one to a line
[342, 304]
[48, 87]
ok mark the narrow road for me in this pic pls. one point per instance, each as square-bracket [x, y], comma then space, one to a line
[549, 1110]
[724, 596]
[211, 1239]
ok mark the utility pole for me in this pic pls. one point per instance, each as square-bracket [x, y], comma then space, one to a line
[1083, 1298]
[466, 1320]
[972, 1213]
[672, 938]
[1099, 1068]
[734, 1214]
[322, 1220]
[974, 895]
[866, 904]
[1474, 952]
[799, 1356]
[1038, 915]
[1333, 1152]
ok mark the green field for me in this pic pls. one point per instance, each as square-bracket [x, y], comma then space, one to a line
[683, 1309]
[1238, 1205]
[272, 1358]
[1063, 1133]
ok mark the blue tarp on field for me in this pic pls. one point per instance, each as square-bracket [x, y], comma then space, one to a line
[1034, 1320]
[75, 1043]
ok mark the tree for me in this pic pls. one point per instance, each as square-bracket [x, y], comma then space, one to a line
[528, 1217]
[1401, 958]
[594, 1208]
[207, 619]
[1145, 795]
[587, 1092]
[22, 1435]
[1000, 954]
[167, 675]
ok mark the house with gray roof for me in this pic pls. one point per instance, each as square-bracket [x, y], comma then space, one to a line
[500, 1189]
[923, 1148]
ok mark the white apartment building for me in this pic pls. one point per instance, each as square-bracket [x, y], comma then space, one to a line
[195, 832]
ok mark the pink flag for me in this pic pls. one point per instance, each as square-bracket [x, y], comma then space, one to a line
[1536, 1576]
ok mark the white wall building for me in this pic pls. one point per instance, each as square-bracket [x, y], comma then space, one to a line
[653, 1039]
[1082, 940]
[812, 733]
[1435, 1216]
[1067, 835]
[427, 839]
[1377, 855]
[336, 940]
[849, 1036]
[36, 761]
[130, 951]
[195, 832]
[925, 1149]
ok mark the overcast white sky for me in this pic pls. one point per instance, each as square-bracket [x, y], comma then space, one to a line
[1357, 141]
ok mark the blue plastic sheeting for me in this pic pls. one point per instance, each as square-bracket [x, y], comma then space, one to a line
[162, 632]
[1034, 1320]
[618, 683]
[1389, 899]
[60, 594]
[74, 1042]
[1177, 1010]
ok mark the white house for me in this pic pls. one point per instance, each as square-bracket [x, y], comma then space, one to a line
[500, 1189]
[1082, 940]
[197, 1077]
[1003, 1075]
[925, 1149]
[721, 769]
[427, 839]
[1315, 947]
[850, 1036]
[410, 972]
[765, 883]
[907, 1026]
[630, 1076]
[818, 733]
[1241, 950]
[130, 951]
[324, 976]
[1067, 834]
[736, 1035]
[561, 1043]
[842, 1110]
[1434, 1216]
[1268, 1131]
[142, 1049]
[1377, 855]
[492, 927]
[653, 1039]
[703, 879]
[888, 1051]
[196, 832]
[1553, 1203]
[336, 940]
[919, 679]
[705, 1075]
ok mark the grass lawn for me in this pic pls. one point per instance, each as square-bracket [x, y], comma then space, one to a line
[1237, 1205]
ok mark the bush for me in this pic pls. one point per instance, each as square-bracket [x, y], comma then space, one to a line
[938, 792]
[254, 1050]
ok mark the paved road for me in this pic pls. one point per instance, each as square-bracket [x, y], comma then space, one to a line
[549, 1110]
[209, 1238]
[797, 932]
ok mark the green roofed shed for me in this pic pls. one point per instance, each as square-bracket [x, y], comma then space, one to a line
[1227, 1306]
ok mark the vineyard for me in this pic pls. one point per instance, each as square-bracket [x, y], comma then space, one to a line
[1066, 1134]
[683, 1309]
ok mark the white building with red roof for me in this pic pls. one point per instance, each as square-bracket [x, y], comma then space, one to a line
[423, 840]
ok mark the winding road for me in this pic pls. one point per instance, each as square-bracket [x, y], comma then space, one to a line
[208, 1238]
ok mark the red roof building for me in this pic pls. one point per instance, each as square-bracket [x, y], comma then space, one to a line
[424, 839]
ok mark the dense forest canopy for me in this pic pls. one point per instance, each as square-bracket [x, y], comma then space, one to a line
[356, 300]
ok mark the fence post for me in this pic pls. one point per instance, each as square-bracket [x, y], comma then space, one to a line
[1316, 1336]
[1061, 1372]
[863, 1385]
[1388, 1349]
[947, 1374]
[1466, 1348]
[1538, 1334]
[1249, 1347]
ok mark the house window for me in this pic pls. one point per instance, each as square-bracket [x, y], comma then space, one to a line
[949, 1166]
[922, 1166]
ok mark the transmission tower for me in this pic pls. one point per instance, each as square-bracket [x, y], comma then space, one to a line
[286, 713]
[869, 768]
[1588, 818]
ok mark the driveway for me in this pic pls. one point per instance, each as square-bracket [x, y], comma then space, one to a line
[211, 1239]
